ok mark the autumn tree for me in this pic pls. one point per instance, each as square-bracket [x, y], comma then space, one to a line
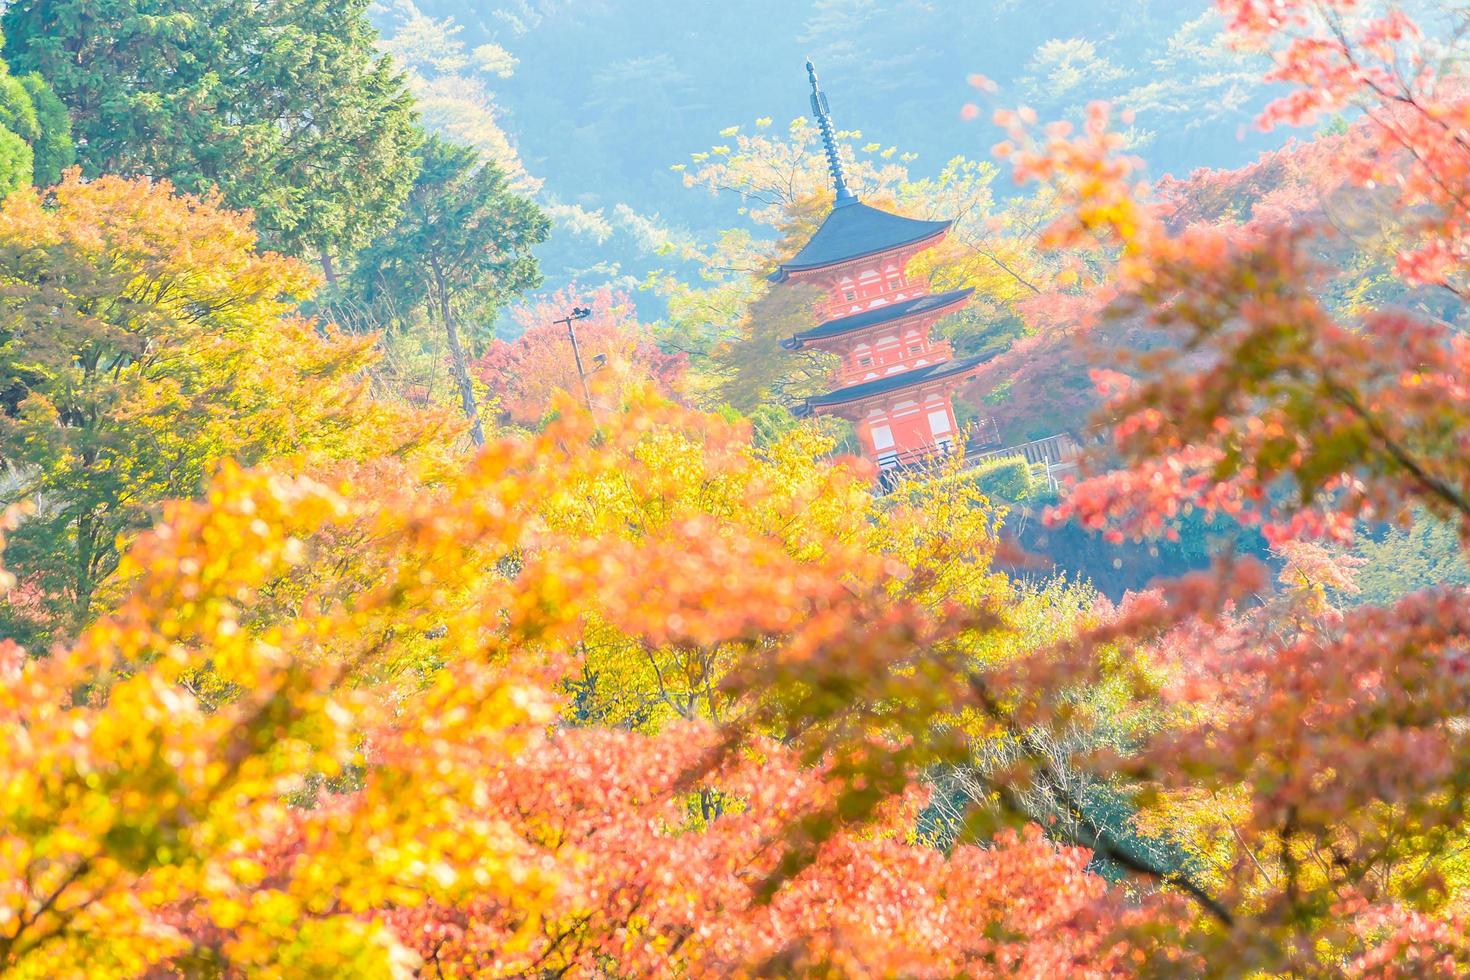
[525, 374]
[1318, 770]
[461, 248]
[284, 108]
[143, 338]
[314, 729]
[634, 694]
[1041, 384]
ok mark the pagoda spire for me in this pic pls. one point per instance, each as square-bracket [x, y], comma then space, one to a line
[823, 114]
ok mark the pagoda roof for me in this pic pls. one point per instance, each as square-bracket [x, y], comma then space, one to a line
[880, 314]
[853, 230]
[894, 382]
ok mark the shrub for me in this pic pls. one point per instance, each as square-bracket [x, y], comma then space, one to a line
[1005, 478]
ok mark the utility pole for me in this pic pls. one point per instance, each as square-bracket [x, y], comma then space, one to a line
[578, 313]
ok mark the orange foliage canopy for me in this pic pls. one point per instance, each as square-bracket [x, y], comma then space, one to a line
[340, 718]
[319, 733]
[525, 374]
[1328, 746]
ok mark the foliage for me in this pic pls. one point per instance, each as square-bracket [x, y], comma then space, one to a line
[1004, 478]
[645, 691]
[361, 620]
[1379, 61]
[1350, 231]
[1321, 769]
[618, 355]
[461, 247]
[282, 107]
[17, 162]
[448, 82]
[1424, 555]
[767, 423]
[35, 133]
[53, 149]
[752, 368]
[143, 339]
[1060, 68]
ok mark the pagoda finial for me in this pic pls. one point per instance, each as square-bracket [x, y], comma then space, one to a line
[823, 113]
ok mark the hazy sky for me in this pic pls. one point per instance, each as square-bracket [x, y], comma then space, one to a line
[605, 95]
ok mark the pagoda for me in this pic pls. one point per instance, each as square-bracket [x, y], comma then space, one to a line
[896, 383]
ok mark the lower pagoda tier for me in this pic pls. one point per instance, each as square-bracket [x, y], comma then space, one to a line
[902, 418]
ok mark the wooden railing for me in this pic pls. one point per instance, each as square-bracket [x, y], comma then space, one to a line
[982, 437]
[1053, 456]
[1058, 450]
[930, 454]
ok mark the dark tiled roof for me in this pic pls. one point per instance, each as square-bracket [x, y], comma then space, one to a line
[881, 314]
[855, 230]
[893, 382]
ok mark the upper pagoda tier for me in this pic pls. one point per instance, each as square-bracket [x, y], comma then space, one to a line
[855, 230]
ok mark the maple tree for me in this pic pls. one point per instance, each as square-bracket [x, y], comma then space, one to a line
[1321, 768]
[642, 691]
[313, 729]
[619, 354]
[143, 339]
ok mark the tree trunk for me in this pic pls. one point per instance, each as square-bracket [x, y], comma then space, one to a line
[85, 579]
[459, 364]
[328, 272]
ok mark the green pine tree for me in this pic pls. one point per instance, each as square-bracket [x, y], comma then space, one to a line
[284, 107]
[462, 245]
[53, 147]
[35, 132]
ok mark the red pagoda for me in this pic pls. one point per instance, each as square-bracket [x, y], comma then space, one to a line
[896, 382]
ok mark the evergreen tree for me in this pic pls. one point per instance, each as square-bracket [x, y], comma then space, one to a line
[282, 106]
[463, 242]
[35, 133]
[17, 162]
[52, 148]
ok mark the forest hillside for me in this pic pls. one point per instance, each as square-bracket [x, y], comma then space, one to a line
[827, 488]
